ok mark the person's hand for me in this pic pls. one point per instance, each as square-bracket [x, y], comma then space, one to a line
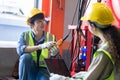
[80, 75]
[60, 77]
[57, 77]
[54, 50]
[46, 45]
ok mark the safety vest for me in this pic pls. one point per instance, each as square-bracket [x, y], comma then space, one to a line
[44, 53]
[111, 77]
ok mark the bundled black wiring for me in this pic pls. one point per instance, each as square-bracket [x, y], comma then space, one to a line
[82, 5]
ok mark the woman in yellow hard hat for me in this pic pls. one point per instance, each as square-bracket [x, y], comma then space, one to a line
[33, 48]
[106, 60]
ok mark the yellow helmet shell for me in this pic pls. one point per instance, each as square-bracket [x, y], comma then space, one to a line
[100, 13]
[33, 12]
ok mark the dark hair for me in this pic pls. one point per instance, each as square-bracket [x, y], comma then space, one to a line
[37, 16]
[112, 35]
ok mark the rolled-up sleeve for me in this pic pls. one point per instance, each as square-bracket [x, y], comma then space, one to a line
[21, 44]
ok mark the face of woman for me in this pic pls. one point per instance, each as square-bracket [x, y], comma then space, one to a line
[93, 29]
[90, 27]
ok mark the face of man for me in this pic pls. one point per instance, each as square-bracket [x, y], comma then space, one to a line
[38, 25]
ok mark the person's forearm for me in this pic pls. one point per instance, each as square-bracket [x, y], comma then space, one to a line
[31, 48]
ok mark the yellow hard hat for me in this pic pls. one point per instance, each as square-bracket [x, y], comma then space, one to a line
[32, 13]
[100, 13]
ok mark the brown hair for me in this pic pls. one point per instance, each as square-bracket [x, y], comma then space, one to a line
[112, 35]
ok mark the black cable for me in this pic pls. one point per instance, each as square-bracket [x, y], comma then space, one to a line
[80, 14]
[78, 28]
[82, 7]
[73, 18]
[77, 36]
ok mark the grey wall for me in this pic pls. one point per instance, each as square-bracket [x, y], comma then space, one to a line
[10, 29]
[8, 58]
[70, 7]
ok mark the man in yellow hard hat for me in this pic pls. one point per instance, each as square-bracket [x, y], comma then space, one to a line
[33, 48]
[106, 60]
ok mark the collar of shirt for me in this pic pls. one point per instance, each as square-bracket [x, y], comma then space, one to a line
[42, 39]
